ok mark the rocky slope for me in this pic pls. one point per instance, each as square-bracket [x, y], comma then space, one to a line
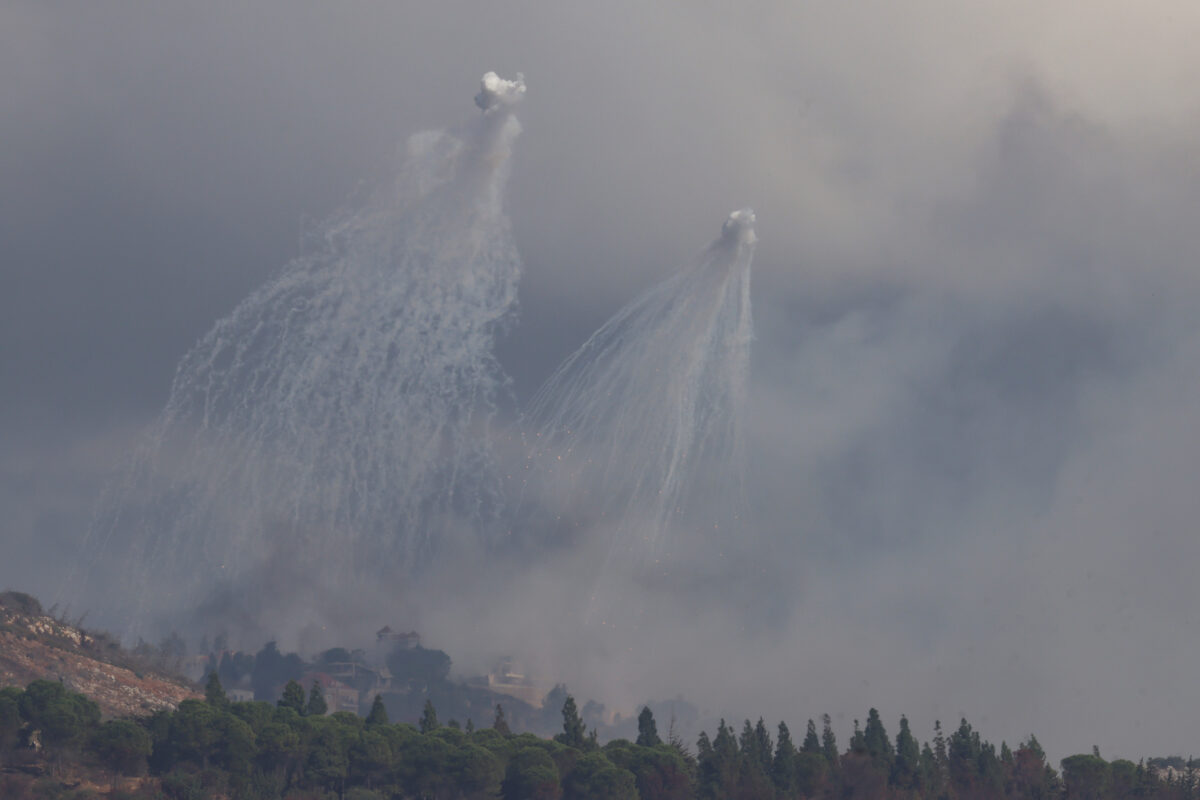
[34, 645]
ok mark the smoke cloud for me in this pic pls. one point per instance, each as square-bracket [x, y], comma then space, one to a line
[970, 416]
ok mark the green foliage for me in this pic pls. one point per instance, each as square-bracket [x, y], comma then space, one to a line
[531, 775]
[419, 668]
[378, 714]
[783, 765]
[500, 724]
[122, 746]
[811, 743]
[429, 720]
[829, 746]
[660, 772]
[293, 698]
[875, 739]
[10, 717]
[1086, 777]
[258, 751]
[596, 778]
[316, 706]
[647, 729]
[573, 734]
[906, 769]
[63, 717]
[214, 692]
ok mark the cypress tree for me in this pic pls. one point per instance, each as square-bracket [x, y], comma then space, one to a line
[378, 714]
[214, 692]
[811, 743]
[783, 766]
[906, 769]
[429, 720]
[573, 734]
[500, 723]
[762, 745]
[316, 702]
[293, 697]
[647, 729]
[876, 743]
[829, 742]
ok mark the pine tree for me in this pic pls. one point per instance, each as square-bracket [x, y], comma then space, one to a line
[293, 697]
[647, 729]
[316, 702]
[762, 745]
[378, 714]
[500, 723]
[214, 693]
[876, 743]
[783, 766]
[726, 760]
[829, 742]
[931, 776]
[858, 743]
[429, 720]
[470, 726]
[707, 774]
[940, 755]
[811, 743]
[573, 731]
[906, 769]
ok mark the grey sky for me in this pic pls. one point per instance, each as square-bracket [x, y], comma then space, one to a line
[973, 395]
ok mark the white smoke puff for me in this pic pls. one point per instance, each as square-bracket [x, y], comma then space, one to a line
[495, 91]
[739, 228]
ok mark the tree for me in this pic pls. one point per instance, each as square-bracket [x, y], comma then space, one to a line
[293, 697]
[531, 775]
[317, 707]
[1086, 777]
[719, 764]
[214, 692]
[596, 778]
[906, 769]
[762, 745]
[875, 739]
[10, 718]
[963, 751]
[122, 746]
[418, 667]
[573, 734]
[783, 765]
[63, 717]
[500, 724]
[647, 729]
[829, 742]
[378, 714]
[811, 743]
[477, 772]
[429, 720]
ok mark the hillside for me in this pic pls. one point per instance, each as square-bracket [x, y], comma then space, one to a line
[35, 645]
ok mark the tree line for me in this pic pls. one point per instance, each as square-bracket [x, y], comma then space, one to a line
[292, 750]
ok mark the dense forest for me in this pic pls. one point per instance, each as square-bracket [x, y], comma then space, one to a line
[294, 749]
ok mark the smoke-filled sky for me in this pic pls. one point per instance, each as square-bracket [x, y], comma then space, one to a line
[974, 435]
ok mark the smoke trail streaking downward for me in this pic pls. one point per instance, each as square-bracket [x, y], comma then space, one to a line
[639, 432]
[334, 423]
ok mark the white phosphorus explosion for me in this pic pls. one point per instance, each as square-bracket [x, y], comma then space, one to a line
[639, 431]
[334, 424]
[329, 439]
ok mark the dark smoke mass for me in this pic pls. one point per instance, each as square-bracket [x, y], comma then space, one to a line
[966, 417]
